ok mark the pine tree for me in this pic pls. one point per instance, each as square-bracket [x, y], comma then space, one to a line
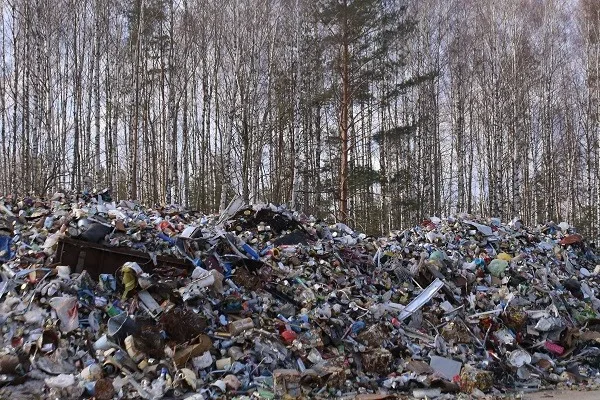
[361, 38]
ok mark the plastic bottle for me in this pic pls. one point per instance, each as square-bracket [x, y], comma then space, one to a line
[158, 386]
[48, 222]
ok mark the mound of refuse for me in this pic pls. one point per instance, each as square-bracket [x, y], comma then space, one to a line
[117, 301]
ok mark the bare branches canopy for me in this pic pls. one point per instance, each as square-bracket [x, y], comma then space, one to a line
[376, 112]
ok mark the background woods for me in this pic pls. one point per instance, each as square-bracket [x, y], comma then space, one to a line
[379, 112]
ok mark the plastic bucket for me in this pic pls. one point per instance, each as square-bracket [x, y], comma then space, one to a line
[120, 326]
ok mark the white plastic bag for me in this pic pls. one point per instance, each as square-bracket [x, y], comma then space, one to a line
[67, 312]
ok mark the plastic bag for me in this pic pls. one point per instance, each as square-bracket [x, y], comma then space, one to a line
[130, 272]
[67, 312]
[5, 248]
[53, 239]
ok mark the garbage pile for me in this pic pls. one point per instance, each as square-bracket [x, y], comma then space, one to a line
[264, 302]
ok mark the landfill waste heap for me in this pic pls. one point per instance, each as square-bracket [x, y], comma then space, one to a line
[110, 300]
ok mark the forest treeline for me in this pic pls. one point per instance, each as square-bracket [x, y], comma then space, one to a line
[376, 112]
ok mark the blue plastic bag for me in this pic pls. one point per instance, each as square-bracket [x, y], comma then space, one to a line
[5, 248]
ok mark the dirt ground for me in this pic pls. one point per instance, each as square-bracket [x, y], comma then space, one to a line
[563, 395]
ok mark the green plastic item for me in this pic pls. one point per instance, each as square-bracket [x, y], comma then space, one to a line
[497, 267]
[265, 394]
[438, 255]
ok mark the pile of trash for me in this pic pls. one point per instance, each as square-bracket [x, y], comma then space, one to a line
[265, 302]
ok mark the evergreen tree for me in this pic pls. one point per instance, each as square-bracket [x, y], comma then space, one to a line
[363, 45]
